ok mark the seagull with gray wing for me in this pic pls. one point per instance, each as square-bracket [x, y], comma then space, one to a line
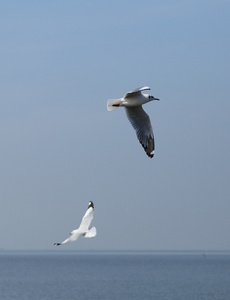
[83, 229]
[132, 102]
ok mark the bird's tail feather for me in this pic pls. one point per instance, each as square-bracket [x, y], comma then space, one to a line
[113, 103]
[91, 233]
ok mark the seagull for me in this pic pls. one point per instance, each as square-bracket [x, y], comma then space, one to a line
[132, 102]
[83, 228]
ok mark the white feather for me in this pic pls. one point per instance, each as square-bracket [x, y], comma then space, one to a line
[113, 103]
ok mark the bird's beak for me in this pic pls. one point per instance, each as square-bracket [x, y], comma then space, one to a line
[156, 99]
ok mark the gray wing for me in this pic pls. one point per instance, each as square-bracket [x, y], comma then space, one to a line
[136, 91]
[142, 125]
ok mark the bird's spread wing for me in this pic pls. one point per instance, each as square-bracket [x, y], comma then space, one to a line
[142, 125]
[72, 238]
[136, 91]
[87, 218]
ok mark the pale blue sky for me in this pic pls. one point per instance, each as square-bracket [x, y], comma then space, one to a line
[60, 147]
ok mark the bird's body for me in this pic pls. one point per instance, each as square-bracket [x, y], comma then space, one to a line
[83, 229]
[133, 101]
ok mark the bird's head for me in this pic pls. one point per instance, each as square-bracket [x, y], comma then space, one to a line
[151, 98]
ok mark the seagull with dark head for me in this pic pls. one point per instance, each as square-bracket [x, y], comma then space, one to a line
[132, 102]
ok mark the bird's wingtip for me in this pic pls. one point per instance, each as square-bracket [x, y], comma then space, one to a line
[142, 88]
[91, 204]
[151, 154]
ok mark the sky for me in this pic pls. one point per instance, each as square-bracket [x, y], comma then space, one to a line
[60, 147]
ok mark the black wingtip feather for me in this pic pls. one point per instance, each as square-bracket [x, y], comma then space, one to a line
[91, 204]
[150, 148]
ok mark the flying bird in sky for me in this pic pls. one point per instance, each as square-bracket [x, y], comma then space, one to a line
[83, 228]
[132, 102]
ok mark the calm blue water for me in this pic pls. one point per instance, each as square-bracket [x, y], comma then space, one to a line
[113, 276]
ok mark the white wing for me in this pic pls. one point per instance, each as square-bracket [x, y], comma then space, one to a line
[136, 91]
[142, 125]
[72, 238]
[87, 218]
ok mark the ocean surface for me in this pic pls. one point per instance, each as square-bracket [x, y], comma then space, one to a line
[114, 275]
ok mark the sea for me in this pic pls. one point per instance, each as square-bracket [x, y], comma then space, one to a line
[115, 275]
